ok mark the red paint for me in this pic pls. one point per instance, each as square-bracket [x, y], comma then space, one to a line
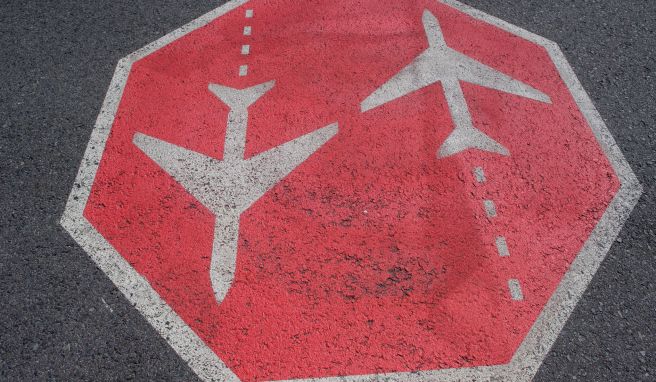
[373, 255]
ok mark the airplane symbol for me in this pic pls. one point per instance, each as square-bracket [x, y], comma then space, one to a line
[440, 63]
[230, 186]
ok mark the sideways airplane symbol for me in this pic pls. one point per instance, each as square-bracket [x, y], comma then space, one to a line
[440, 63]
[230, 186]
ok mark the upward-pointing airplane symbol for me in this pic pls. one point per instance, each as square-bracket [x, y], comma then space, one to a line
[230, 186]
[440, 63]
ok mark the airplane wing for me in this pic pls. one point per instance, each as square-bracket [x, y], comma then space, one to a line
[470, 70]
[194, 171]
[268, 168]
[420, 73]
[232, 184]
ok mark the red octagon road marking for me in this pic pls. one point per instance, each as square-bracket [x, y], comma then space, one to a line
[388, 247]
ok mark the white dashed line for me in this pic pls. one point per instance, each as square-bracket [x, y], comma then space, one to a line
[246, 48]
[502, 246]
[515, 290]
[501, 243]
[490, 209]
[479, 174]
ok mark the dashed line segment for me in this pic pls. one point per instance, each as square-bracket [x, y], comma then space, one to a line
[246, 48]
[243, 70]
[514, 286]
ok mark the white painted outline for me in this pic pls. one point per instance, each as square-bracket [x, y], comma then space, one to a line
[207, 365]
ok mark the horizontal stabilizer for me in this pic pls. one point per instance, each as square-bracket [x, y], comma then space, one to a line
[240, 99]
[470, 138]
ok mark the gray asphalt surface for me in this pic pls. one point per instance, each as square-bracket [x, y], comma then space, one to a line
[62, 319]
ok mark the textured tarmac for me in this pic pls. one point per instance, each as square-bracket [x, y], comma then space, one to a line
[64, 320]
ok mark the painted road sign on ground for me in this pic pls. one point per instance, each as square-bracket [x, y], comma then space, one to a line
[373, 190]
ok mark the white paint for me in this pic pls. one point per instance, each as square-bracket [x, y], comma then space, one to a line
[515, 290]
[479, 174]
[243, 70]
[209, 367]
[247, 30]
[245, 49]
[440, 63]
[249, 13]
[490, 208]
[502, 246]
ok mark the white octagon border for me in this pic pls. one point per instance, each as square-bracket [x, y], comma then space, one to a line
[207, 365]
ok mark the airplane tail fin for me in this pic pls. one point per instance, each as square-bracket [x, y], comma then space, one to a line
[240, 99]
[433, 30]
[471, 138]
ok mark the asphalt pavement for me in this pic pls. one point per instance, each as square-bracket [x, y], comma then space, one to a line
[63, 320]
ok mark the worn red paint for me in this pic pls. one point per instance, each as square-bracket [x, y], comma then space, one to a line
[374, 255]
